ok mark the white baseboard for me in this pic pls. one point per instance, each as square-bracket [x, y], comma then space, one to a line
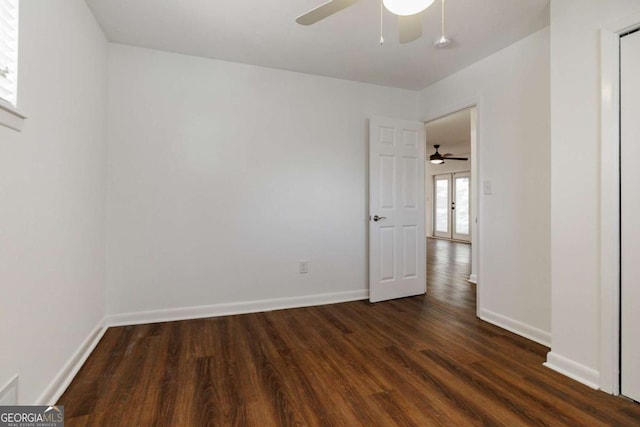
[227, 309]
[60, 383]
[572, 369]
[473, 278]
[517, 327]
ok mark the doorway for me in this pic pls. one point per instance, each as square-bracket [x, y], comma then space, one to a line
[453, 214]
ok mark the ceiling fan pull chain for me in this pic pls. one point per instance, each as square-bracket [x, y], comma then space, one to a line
[442, 13]
[443, 41]
[381, 16]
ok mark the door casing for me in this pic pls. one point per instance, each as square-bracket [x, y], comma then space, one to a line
[609, 357]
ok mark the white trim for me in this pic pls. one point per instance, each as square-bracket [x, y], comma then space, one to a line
[573, 370]
[11, 117]
[473, 278]
[10, 387]
[609, 213]
[60, 383]
[475, 197]
[609, 351]
[517, 327]
[227, 309]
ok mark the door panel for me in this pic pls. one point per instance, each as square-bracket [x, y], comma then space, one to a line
[410, 253]
[461, 227]
[397, 246]
[387, 254]
[387, 181]
[409, 181]
[630, 214]
[442, 206]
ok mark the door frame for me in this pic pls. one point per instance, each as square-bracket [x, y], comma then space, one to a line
[610, 257]
[477, 125]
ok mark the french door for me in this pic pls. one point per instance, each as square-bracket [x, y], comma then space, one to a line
[452, 206]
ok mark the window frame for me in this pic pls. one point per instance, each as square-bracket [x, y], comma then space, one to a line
[10, 115]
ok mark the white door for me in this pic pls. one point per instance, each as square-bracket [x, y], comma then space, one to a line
[442, 206]
[630, 214]
[461, 207]
[397, 243]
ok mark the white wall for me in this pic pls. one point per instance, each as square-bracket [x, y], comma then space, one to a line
[512, 88]
[223, 176]
[52, 188]
[431, 170]
[575, 173]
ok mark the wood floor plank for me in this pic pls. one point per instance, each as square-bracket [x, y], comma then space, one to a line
[420, 361]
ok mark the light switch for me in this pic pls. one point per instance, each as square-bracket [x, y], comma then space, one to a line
[487, 187]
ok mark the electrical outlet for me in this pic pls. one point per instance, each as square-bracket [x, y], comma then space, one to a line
[304, 267]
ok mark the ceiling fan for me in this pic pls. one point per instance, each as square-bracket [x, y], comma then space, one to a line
[438, 159]
[409, 14]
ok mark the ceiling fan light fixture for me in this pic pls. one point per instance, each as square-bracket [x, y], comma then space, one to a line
[437, 161]
[442, 42]
[406, 7]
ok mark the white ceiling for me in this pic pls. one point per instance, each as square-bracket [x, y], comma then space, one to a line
[452, 133]
[344, 45]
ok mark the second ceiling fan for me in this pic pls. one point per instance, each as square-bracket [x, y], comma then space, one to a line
[409, 14]
[438, 159]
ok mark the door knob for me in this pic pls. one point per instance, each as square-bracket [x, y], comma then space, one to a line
[377, 218]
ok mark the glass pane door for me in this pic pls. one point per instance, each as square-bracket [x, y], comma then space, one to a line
[442, 206]
[461, 206]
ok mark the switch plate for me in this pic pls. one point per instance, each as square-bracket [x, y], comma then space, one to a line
[486, 185]
[304, 267]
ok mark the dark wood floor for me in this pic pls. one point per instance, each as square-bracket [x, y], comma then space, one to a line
[413, 362]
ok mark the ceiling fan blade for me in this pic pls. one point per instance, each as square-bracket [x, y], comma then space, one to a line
[410, 27]
[324, 10]
[456, 158]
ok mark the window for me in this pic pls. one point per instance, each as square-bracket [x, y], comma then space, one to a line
[9, 51]
[9, 115]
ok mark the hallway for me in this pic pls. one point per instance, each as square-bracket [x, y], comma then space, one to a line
[448, 268]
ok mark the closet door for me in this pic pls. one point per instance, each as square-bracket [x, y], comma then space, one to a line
[630, 214]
